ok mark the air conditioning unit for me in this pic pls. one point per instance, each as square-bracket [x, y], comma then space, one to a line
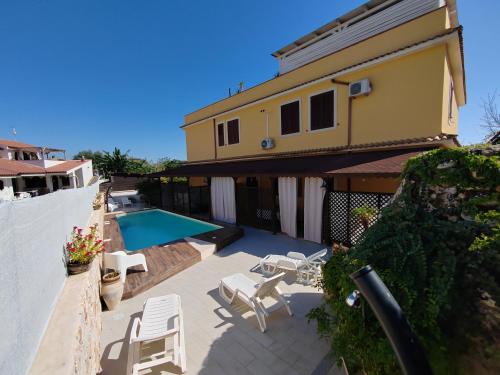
[267, 143]
[361, 87]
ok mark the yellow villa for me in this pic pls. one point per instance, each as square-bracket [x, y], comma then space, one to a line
[353, 100]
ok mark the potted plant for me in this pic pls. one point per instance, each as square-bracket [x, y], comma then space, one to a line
[97, 203]
[82, 249]
[364, 214]
[111, 277]
[112, 289]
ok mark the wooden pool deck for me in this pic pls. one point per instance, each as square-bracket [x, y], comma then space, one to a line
[164, 260]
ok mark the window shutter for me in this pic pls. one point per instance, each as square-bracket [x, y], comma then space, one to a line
[220, 134]
[290, 121]
[233, 132]
[322, 111]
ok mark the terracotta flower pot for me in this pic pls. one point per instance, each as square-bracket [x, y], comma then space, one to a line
[110, 277]
[75, 268]
[112, 291]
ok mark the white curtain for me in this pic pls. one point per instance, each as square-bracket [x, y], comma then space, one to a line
[223, 199]
[287, 193]
[313, 208]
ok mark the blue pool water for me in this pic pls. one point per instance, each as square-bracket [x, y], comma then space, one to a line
[155, 227]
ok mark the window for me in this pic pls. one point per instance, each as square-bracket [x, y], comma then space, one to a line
[290, 118]
[220, 134]
[1, 185]
[450, 103]
[65, 181]
[233, 132]
[322, 110]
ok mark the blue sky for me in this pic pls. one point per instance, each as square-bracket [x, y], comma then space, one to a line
[99, 74]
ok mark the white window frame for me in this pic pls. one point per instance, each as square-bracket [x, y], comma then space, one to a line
[335, 124]
[300, 118]
[226, 131]
[223, 131]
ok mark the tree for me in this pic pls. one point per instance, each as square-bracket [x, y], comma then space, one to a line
[87, 155]
[95, 156]
[491, 117]
[167, 163]
[107, 163]
[114, 162]
[136, 165]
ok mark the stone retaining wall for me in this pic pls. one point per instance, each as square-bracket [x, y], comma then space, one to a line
[71, 344]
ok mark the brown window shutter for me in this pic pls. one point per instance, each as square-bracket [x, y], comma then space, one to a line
[233, 132]
[290, 121]
[220, 134]
[322, 111]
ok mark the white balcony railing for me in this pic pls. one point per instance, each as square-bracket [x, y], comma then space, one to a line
[356, 30]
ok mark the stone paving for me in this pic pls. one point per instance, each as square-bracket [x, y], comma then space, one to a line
[222, 339]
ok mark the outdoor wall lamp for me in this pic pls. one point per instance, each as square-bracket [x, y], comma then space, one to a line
[354, 299]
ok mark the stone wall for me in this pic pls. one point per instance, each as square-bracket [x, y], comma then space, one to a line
[33, 233]
[71, 344]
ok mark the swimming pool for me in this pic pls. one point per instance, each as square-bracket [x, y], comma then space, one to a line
[154, 227]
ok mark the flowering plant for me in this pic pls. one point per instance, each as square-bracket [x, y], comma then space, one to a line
[82, 249]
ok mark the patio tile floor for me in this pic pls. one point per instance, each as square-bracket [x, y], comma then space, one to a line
[222, 339]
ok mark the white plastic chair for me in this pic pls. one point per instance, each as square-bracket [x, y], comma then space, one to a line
[308, 268]
[162, 320]
[120, 261]
[252, 293]
[126, 202]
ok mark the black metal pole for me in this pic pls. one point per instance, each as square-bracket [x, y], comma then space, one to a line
[405, 343]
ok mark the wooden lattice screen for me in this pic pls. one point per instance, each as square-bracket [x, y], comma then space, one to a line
[342, 227]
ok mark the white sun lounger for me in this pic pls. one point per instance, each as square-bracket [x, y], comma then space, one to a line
[120, 261]
[307, 268]
[161, 320]
[252, 293]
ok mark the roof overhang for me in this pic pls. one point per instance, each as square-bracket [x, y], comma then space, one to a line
[381, 163]
[455, 53]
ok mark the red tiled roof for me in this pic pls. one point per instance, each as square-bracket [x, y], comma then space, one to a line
[19, 168]
[66, 166]
[16, 168]
[15, 144]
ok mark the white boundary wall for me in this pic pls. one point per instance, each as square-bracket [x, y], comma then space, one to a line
[33, 233]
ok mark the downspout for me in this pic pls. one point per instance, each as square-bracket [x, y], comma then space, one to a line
[349, 112]
[349, 122]
[215, 139]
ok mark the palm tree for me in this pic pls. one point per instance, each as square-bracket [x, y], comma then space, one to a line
[114, 162]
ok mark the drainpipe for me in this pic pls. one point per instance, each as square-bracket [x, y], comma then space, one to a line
[267, 121]
[349, 122]
[215, 139]
[349, 112]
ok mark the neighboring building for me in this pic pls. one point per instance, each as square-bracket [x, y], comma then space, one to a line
[27, 170]
[353, 100]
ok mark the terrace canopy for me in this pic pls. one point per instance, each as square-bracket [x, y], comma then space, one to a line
[382, 163]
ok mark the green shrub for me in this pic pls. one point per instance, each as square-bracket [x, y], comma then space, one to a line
[150, 188]
[436, 246]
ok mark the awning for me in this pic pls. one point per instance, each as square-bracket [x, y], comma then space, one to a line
[383, 163]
